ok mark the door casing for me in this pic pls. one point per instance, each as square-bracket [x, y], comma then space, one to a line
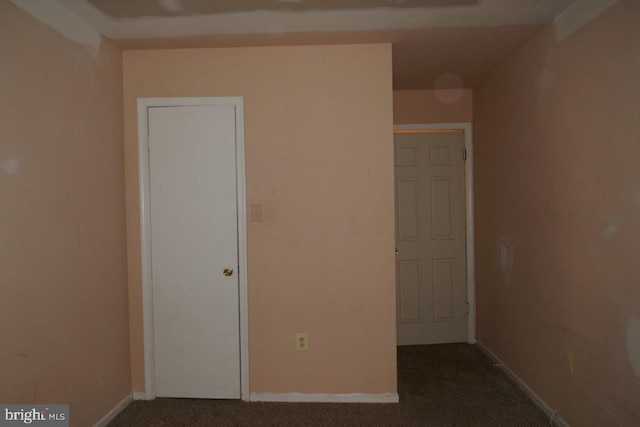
[145, 221]
[467, 129]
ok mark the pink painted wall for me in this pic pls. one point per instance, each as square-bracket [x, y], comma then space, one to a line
[557, 142]
[430, 106]
[63, 310]
[319, 159]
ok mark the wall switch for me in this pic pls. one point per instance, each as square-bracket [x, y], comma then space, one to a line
[569, 355]
[302, 341]
[256, 213]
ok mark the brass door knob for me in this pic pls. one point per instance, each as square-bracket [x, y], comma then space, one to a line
[228, 271]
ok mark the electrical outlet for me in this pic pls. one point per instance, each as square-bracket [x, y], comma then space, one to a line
[302, 341]
[569, 355]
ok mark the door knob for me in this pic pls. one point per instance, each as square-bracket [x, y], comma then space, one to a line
[228, 271]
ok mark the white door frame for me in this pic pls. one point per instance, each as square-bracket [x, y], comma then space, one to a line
[467, 130]
[145, 221]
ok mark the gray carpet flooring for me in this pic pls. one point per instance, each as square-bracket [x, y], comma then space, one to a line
[439, 385]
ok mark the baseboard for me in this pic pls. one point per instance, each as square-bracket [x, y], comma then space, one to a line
[114, 411]
[325, 398]
[140, 395]
[551, 413]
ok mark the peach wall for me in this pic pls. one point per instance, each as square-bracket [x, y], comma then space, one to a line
[318, 126]
[557, 147]
[64, 310]
[428, 106]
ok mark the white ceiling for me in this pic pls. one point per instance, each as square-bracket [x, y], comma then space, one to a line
[139, 8]
[126, 19]
[429, 37]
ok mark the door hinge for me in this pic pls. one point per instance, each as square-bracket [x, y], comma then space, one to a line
[464, 154]
[148, 143]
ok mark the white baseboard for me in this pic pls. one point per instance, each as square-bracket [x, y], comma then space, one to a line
[325, 398]
[114, 411]
[140, 395]
[551, 413]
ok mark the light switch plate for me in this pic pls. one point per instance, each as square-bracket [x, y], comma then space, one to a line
[302, 341]
[256, 213]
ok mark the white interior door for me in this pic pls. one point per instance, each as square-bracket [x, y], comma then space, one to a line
[194, 237]
[430, 238]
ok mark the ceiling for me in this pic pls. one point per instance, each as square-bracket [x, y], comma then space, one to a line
[140, 8]
[429, 37]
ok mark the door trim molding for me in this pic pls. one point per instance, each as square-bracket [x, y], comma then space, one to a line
[467, 130]
[145, 230]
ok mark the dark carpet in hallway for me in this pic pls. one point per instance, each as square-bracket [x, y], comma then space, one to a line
[439, 385]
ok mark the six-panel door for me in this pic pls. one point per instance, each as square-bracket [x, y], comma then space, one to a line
[430, 238]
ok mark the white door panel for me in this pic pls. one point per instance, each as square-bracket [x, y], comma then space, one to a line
[194, 236]
[430, 238]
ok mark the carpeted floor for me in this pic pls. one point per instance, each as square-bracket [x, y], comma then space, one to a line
[439, 385]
